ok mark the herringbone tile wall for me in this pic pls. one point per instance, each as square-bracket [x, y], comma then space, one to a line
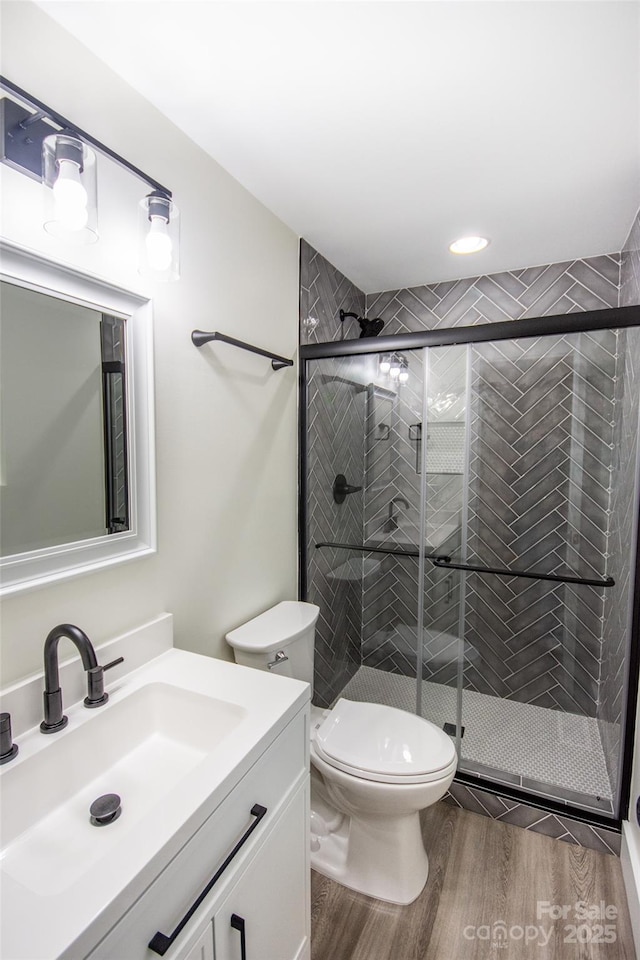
[324, 291]
[336, 411]
[392, 515]
[530, 494]
[542, 442]
[556, 288]
[541, 433]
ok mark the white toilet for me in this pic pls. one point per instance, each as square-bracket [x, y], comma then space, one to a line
[373, 767]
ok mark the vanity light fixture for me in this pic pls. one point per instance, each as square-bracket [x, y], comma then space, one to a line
[69, 177]
[40, 143]
[468, 245]
[394, 367]
[159, 237]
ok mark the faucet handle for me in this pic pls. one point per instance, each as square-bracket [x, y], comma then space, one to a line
[96, 695]
[114, 663]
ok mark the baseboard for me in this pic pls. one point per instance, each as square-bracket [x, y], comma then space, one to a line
[630, 861]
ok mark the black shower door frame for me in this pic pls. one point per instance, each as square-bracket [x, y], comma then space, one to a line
[580, 322]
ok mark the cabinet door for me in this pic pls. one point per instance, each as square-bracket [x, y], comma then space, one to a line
[202, 949]
[265, 916]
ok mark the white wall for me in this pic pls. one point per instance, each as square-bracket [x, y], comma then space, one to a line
[226, 424]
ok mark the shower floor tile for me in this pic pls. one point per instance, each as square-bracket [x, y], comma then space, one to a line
[514, 739]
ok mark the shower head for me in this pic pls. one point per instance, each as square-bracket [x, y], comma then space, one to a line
[368, 328]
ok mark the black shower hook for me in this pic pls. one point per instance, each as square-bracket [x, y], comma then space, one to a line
[368, 328]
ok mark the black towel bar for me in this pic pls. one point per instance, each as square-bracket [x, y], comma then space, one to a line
[199, 337]
[369, 548]
[528, 574]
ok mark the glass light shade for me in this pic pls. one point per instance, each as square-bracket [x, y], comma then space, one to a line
[385, 364]
[70, 188]
[159, 238]
[403, 376]
[394, 372]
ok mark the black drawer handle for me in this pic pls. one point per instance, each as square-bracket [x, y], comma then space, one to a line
[238, 924]
[160, 942]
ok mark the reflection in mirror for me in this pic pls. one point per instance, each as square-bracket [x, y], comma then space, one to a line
[77, 482]
[62, 421]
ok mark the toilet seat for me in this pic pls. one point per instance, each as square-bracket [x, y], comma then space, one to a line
[380, 743]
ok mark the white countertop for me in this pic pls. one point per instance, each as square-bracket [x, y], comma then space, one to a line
[67, 923]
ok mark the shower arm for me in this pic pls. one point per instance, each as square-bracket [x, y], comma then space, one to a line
[449, 564]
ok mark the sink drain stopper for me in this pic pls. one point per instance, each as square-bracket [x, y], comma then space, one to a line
[105, 809]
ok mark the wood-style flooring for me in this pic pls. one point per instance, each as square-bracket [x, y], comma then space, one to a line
[491, 894]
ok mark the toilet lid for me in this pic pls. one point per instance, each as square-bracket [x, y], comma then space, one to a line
[375, 741]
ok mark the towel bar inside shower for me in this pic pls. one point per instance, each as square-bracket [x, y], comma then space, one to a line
[369, 548]
[528, 574]
[447, 563]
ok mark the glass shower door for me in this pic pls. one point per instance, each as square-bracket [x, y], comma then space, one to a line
[444, 469]
[539, 658]
[363, 556]
[471, 525]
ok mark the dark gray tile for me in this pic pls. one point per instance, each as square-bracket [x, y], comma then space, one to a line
[595, 838]
[596, 281]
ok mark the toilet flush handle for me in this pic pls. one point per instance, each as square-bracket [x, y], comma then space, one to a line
[280, 658]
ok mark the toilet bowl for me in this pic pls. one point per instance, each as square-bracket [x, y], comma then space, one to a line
[374, 768]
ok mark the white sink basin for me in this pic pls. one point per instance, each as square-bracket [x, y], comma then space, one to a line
[140, 749]
[174, 739]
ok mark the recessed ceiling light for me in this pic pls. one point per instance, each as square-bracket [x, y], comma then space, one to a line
[468, 245]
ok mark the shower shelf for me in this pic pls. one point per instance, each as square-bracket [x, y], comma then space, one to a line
[366, 548]
[529, 574]
[199, 337]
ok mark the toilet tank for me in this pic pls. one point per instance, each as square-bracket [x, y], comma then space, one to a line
[289, 629]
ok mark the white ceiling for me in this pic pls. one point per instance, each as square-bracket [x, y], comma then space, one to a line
[382, 131]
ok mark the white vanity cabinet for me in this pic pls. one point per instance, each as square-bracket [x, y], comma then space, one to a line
[259, 862]
[263, 916]
[202, 949]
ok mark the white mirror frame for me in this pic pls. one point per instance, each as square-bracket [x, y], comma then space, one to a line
[39, 568]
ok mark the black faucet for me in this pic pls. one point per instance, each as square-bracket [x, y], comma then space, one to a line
[392, 523]
[54, 719]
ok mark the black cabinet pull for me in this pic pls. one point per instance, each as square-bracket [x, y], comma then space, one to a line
[238, 924]
[160, 942]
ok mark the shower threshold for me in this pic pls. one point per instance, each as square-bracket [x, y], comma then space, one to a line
[544, 752]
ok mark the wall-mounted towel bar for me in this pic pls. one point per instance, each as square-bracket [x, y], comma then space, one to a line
[199, 337]
[529, 574]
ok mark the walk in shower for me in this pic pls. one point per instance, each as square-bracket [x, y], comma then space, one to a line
[470, 514]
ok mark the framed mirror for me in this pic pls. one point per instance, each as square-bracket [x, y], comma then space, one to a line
[77, 458]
